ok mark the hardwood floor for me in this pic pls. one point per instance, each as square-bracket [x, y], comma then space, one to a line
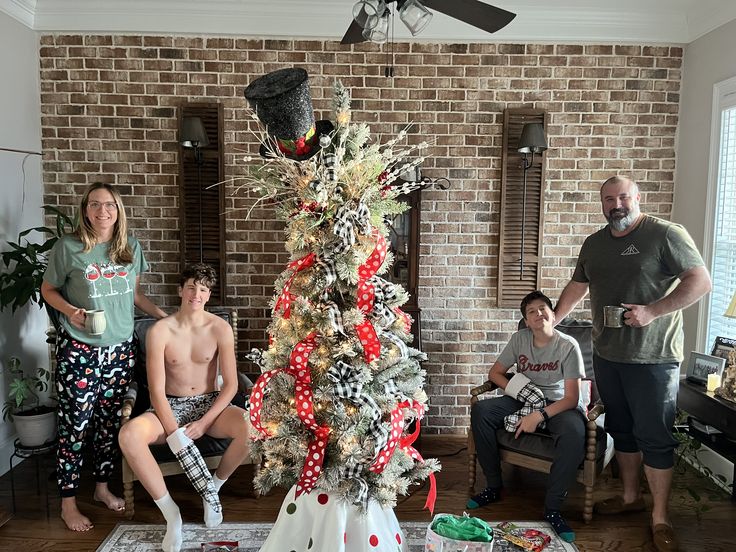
[711, 530]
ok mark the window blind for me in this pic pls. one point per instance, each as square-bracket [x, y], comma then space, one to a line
[723, 270]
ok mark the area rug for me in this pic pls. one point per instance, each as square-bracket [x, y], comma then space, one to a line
[136, 537]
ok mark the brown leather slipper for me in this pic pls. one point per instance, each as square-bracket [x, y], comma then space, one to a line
[616, 505]
[664, 538]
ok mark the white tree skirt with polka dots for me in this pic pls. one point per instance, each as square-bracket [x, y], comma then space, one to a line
[318, 521]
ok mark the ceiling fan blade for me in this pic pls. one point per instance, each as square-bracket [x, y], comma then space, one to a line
[473, 12]
[354, 34]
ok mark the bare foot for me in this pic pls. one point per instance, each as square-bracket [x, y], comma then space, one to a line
[103, 494]
[74, 519]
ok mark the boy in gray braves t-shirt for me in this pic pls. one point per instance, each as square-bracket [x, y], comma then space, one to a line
[547, 367]
[546, 361]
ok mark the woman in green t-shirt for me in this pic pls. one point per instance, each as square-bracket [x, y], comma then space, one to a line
[97, 267]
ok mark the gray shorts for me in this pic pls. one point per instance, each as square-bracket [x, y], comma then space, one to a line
[641, 403]
[190, 409]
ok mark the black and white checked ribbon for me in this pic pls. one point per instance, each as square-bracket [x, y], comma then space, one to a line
[353, 471]
[327, 266]
[330, 163]
[256, 357]
[347, 386]
[346, 222]
[396, 340]
[334, 315]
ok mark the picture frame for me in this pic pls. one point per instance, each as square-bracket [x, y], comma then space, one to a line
[722, 346]
[700, 365]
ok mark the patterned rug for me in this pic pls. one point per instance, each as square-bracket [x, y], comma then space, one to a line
[133, 537]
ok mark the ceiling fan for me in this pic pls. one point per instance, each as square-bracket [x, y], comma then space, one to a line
[370, 17]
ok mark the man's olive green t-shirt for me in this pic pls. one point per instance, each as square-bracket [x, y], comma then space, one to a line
[639, 268]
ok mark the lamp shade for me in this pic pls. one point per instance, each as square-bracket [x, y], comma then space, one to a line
[415, 16]
[731, 310]
[379, 33]
[368, 12]
[193, 133]
[532, 138]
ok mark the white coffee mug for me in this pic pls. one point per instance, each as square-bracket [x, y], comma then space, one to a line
[95, 322]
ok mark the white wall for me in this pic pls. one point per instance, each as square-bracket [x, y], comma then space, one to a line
[22, 334]
[707, 61]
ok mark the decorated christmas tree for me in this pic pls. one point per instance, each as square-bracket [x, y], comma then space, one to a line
[339, 403]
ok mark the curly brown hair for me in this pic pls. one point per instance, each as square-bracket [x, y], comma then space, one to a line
[201, 274]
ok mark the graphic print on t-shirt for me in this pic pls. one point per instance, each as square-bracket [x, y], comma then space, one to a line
[524, 365]
[631, 250]
[104, 279]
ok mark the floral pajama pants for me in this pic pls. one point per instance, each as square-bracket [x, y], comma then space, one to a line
[90, 382]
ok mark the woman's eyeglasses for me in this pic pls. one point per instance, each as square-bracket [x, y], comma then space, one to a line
[108, 205]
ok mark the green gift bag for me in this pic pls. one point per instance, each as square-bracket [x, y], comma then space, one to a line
[449, 533]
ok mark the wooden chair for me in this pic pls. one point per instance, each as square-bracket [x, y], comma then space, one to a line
[137, 401]
[535, 451]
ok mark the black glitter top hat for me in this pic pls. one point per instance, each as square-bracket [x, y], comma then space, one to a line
[282, 102]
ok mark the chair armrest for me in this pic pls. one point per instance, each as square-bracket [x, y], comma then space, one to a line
[128, 402]
[596, 411]
[487, 386]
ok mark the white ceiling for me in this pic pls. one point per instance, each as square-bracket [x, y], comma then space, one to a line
[610, 21]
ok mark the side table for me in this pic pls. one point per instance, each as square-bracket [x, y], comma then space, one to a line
[22, 452]
[713, 411]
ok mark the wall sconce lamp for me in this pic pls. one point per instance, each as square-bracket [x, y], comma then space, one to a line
[532, 141]
[193, 135]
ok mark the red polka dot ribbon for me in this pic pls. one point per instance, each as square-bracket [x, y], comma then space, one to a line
[304, 404]
[286, 297]
[405, 318]
[367, 296]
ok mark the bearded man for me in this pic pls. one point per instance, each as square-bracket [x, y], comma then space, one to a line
[652, 268]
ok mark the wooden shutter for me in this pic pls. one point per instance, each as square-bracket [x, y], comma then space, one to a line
[196, 185]
[516, 278]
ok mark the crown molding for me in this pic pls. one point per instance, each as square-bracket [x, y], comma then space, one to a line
[571, 21]
[21, 10]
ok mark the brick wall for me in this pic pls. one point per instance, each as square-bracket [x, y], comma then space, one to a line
[109, 114]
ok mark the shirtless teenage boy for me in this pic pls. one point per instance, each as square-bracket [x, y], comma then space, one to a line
[184, 351]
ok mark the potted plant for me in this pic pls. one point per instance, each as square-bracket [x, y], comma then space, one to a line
[35, 423]
[25, 262]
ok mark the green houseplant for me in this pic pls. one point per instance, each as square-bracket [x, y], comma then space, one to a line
[35, 422]
[24, 264]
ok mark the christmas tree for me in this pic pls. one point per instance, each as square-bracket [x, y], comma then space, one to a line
[340, 387]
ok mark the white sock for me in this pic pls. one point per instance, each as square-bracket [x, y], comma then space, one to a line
[172, 539]
[212, 518]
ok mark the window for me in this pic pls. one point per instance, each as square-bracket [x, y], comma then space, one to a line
[722, 205]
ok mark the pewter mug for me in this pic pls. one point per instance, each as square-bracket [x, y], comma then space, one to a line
[95, 322]
[613, 316]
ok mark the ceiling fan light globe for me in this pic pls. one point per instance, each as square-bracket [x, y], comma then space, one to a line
[379, 33]
[367, 13]
[415, 16]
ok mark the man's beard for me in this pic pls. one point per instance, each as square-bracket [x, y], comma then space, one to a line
[622, 223]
